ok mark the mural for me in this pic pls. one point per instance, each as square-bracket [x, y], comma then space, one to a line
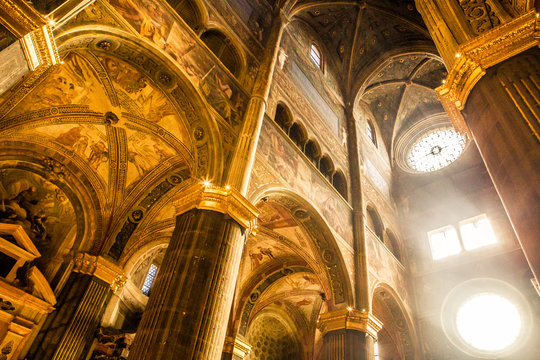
[40, 207]
[141, 111]
[155, 24]
[303, 179]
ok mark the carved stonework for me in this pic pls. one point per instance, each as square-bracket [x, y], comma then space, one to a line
[482, 52]
[101, 268]
[480, 15]
[350, 319]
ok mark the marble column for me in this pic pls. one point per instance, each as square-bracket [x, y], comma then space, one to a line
[348, 334]
[188, 310]
[69, 331]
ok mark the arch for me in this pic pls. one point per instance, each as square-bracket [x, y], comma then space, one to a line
[298, 135]
[191, 11]
[326, 167]
[328, 251]
[392, 244]
[283, 117]
[169, 78]
[224, 50]
[398, 330]
[374, 222]
[313, 151]
[340, 183]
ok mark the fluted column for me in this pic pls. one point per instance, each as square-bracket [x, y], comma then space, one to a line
[69, 331]
[186, 315]
[492, 92]
[244, 155]
[348, 334]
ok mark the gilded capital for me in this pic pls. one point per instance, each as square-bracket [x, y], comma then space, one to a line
[350, 319]
[481, 53]
[101, 268]
[237, 346]
[224, 200]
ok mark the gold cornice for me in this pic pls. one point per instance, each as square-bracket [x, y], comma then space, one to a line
[101, 268]
[224, 200]
[481, 53]
[350, 319]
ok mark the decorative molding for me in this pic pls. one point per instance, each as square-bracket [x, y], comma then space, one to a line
[350, 319]
[477, 55]
[225, 200]
[101, 268]
[238, 346]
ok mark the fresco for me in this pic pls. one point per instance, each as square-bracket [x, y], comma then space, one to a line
[156, 25]
[145, 152]
[40, 207]
[385, 268]
[303, 179]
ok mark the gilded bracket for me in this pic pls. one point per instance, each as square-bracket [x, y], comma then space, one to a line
[101, 268]
[477, 55]
[224, 200]
[350, 319]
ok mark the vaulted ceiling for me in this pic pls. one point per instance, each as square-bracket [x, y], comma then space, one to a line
[358, 34]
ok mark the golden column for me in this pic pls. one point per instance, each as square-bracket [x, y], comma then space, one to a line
[188, 311]
[68, 331]
[187, 314]
[348, 334]
[493, 93]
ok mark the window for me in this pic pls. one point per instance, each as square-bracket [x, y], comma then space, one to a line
[476, 232]
[435, 150]
[371, 133]
[149, 281]
[444, 242]
[488, 322]
[376, 350]
[315, 55]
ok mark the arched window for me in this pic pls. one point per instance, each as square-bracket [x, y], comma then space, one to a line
[374, 222]
[298, 135]
[392, 244]
[283, 118]
[371, 133]
[149, 280]
[223, 49]
[189, 12]
[340, 184]
[326, 166]
[315, 55]
[312, 151]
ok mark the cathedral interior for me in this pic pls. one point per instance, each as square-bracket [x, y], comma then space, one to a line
[269, 179]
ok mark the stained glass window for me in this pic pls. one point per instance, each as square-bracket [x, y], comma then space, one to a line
[315, 55]
[149, 281]
[436, 150]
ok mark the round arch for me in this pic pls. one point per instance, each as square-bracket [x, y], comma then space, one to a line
[397, 321]
[169, 77]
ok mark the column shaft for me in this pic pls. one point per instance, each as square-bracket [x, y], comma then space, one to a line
[186, 316]
[503, 115]
[68, 332]
[347, 345]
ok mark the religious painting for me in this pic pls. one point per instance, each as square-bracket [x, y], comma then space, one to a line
[145, 152]
[156, 25]
[280, 156]
[40, 207]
